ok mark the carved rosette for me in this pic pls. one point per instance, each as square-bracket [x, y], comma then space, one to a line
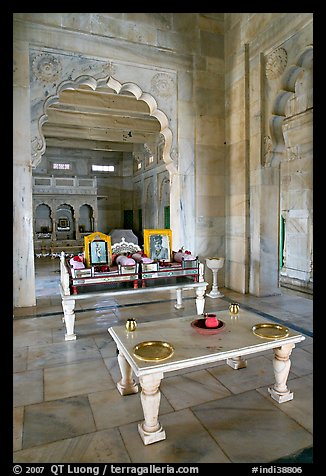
[46, 67]
[162, 85]
[276, 63]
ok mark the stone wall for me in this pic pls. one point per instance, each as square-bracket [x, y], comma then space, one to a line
[261, 51]
[203, 77]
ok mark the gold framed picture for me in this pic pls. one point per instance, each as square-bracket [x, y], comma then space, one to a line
[97, 249]
[158, 244]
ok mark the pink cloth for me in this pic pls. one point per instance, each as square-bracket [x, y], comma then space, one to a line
[124, 261]
[178, 257]
[76, 264]
[141, 259]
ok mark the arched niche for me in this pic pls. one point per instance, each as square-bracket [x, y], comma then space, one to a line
[43, 221]
[65, 222]
[86, 219]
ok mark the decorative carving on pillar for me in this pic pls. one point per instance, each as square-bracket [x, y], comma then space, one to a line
[276, 63]
[268, 149]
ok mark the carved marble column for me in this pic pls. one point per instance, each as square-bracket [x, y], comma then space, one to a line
[150, 429]
[69, 318]
[127, 385]
[281, 365]
[200, 299]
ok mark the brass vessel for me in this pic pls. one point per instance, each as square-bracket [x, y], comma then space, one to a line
[234, 308]
[131, 324]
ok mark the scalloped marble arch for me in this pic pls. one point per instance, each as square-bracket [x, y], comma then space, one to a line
[39, 144]
[279, 105]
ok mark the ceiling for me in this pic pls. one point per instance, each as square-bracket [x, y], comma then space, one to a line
[99, 120]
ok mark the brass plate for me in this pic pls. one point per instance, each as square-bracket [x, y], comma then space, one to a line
[270, 331]
[153, 350]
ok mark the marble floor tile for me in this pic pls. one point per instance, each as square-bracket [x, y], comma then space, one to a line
[249, 428]
[27, 387]
[57, 420]
[301, 407]
[106, 345]
[18, 422]
[98, 447]
[66, 352]
[19, 360]
[184, 391]
[32, 337]
[258, 373]
[111, 409]
[187, 441]
[76, 379]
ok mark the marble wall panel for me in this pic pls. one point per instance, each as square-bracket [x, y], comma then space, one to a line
[215, 64]
[184, 86]
[209, 102]
[235, 276]
[210, 206]
[215, 24]
[210, 130]
[210, 185]
[210, 159]
[210, 226]
[237, 249]
[183, 42]
[212, 44]
[237, 204]
[236, 225]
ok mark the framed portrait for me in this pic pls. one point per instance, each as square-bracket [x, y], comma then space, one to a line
[97, 249]
[158, 244]
[98, 253]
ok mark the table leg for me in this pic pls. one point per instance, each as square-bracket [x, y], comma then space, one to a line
[200, 299]
[150, 429]
[179, 304]
[281, 365]
[69, 318]
[237, 362]
[126, 385]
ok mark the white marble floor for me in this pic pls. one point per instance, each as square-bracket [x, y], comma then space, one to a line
[67, 407]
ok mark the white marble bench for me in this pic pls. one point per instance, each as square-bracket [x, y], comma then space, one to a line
[69, 300]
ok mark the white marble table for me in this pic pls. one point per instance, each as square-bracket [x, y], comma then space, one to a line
[191, 349]
[69, 300]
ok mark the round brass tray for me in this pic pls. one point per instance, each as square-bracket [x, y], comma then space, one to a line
[153, 350]
[270, 331]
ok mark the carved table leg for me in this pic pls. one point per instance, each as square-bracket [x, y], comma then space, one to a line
[237, 362]
[150, 429]
[126, 385]
[69, 319]
[281, 365]
[179, 304]
[200, 299]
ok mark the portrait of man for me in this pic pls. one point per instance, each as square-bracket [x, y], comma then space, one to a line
[159, 247]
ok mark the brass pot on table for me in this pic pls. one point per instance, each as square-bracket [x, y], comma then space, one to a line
[234, 308]
[131, 324]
